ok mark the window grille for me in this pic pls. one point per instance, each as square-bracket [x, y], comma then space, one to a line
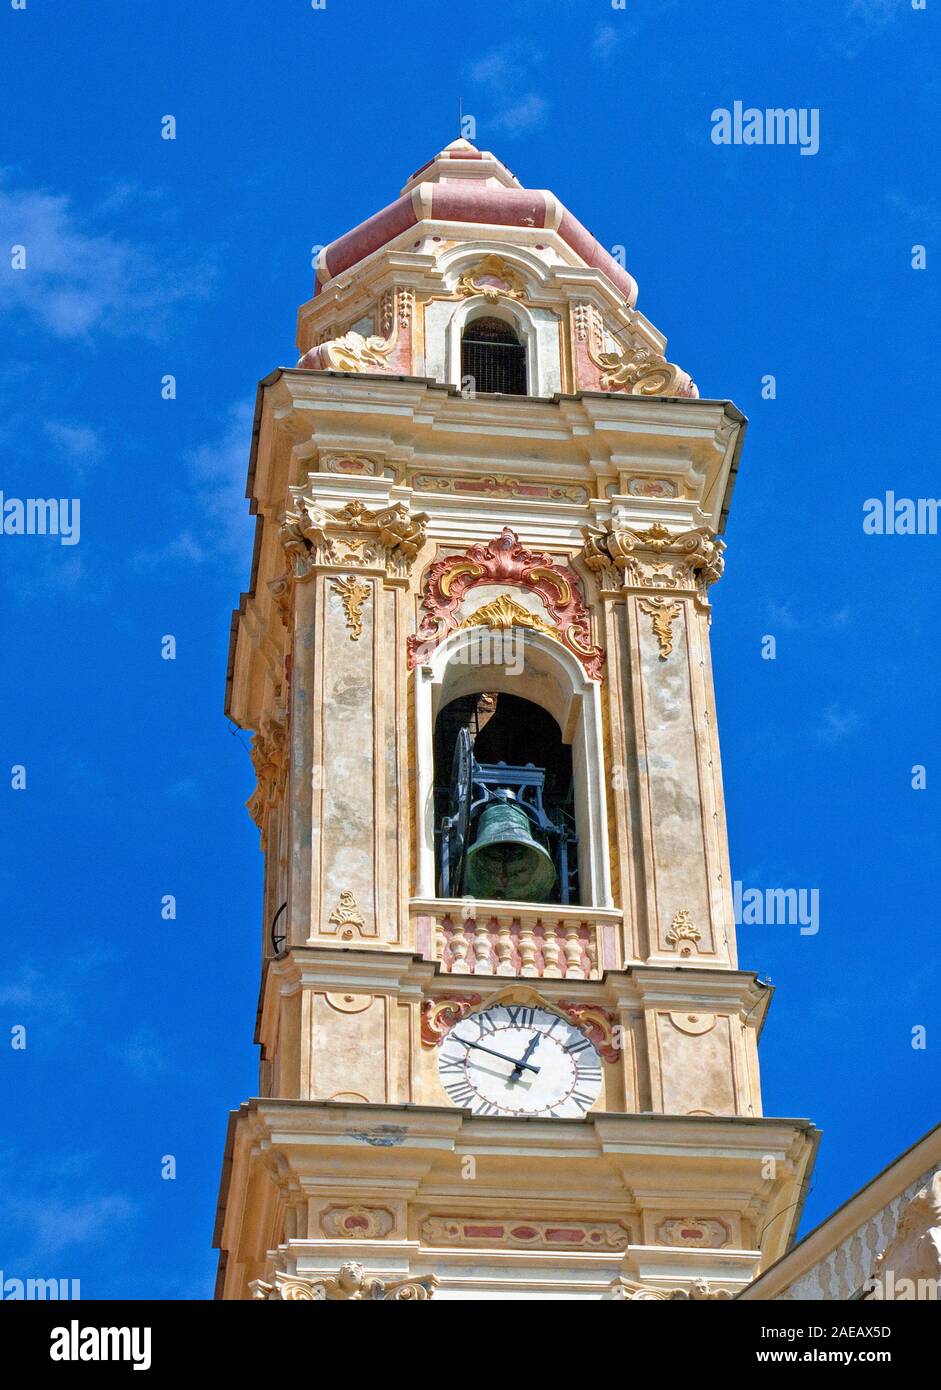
[494, 357]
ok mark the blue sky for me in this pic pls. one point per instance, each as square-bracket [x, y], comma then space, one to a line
[148, 257]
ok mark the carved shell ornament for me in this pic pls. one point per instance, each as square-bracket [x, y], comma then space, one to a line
[492, 278]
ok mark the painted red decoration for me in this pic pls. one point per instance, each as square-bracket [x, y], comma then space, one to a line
[505, 561]
[597, 1023]
[454, 202]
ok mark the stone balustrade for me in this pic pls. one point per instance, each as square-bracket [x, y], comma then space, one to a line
[517, 940]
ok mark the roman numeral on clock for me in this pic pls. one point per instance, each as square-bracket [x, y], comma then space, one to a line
[521, 1017]
[581, 1098]
[460, 1092]
[587, 1074]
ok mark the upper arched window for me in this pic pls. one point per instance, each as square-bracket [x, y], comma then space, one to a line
[493, 356]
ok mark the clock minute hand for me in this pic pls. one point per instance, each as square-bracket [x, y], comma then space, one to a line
[502, 1055]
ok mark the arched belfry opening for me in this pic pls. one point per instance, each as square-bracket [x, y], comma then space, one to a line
[504, 801]
[493, 357]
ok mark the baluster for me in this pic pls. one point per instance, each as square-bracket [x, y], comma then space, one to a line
[483, 951]
[550, 953]
[441, 941]
[504, 949]
[591, 950]
[527, 940]
[459, 965]
[573, 954]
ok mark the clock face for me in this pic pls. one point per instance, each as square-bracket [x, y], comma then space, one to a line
[515, 1060]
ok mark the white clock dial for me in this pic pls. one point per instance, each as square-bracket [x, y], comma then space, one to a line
[516, 1060]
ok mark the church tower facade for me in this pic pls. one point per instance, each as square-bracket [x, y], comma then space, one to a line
[506, 1047]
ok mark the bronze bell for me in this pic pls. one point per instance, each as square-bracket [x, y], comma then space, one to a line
[505, 861]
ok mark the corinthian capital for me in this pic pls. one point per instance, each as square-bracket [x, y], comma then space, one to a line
[352, 537]
[688, 562]
[350, 1285]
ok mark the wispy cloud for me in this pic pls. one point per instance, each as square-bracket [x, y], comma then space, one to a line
[867, 19]
[527, 114]
[783, 616]
[607, 39]
[837, 723]
[925, 216]
[79, 445]
[143, 1055]
[215, 496]
[50, 996]
[505, 75]
[80, 277]
[875, 14]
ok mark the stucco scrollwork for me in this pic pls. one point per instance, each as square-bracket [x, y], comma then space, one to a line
[909, 1268]
[627, 1291]
[664, 614]
[641, 371]
[624, 559]
[352, 595]
[438, 1016]
[350, 1285]
[505, 561]
[269, 759]
[683, 933]
[597, 1023]
[384, 540]
[356, 352]
[492, 278]
[346, 917]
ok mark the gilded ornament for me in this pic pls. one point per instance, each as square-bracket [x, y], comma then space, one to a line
[353, 595]
[493, 278]
[664, 615]
[351, 1285]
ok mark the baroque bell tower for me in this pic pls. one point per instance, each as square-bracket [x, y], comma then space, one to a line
[506, 1047]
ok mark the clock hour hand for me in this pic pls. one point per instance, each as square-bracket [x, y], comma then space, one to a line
[524, 1060]
[502, 1055]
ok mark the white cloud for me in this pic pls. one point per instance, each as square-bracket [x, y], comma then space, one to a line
[52, 1224]
[924, 216]
[78, 444]
[527, 114]
[143, 1056]
[80, 278]
[506, 74]
[837, 723]
[876, 14]
[607, 38]
[77, 440]
[218, 519]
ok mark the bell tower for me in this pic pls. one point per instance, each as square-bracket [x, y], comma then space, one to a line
[506, 1046]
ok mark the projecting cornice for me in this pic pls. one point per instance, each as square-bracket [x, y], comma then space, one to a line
[549, 467]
